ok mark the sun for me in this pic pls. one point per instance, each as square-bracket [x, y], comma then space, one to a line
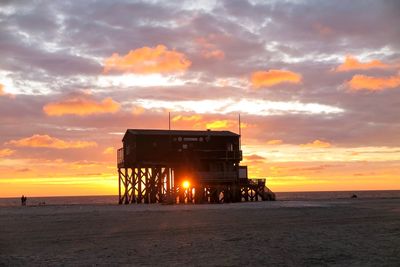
[186, 184]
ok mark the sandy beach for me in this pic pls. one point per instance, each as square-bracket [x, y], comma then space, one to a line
[283, 233]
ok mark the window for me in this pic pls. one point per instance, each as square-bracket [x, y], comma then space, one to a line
[230, 147]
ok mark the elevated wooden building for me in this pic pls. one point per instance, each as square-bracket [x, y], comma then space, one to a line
[174, 166]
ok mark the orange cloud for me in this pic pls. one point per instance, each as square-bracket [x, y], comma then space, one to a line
[6, 152]
[244, 125]
[47, 141]
[273, 77]
[352, 63]
[363, 82]
[219, 124]
[208, 48]
[317, 144]
[186, 118]
[148, 60]
[137, 110]
[109, 150]
[274, 142]
[199, 122]
[1, 89]
[254, 157]
[82, 106]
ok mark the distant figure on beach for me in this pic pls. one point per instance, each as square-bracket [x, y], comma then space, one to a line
[23, 200]
[354, 196]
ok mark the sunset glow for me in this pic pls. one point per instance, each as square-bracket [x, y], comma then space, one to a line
[274, 77]
[352, 63]
[317, 88]
[186, 184]
[148, 60]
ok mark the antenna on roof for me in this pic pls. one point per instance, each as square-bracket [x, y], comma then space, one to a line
[169, 120]
[240, 126]
[240, 133]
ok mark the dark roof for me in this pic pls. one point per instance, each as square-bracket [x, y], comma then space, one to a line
[179, 132]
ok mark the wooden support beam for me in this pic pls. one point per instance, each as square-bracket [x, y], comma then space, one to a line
[126, 200]
[139, 177]
[119, 186]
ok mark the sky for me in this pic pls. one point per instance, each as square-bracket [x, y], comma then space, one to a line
[317, 84]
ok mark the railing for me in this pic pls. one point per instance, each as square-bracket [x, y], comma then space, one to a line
[258, 182]
[217, 176]
[220, 154]
[120, 157]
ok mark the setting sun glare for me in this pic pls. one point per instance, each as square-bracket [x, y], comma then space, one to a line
[186, 184]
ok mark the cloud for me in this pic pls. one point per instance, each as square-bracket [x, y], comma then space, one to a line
[218, 124]
[218, 54]
[6, 152]
[352, 63]
[109, 150]
[254, 157]
[258, 107]
[322, 29]
[363, 82]
[2, 93]
[47, 141]
[136, 110]
[207, 122]
[317, 144]
[186, 118]
[147, 60]
[274, 142]
[81, 105]
[208, 49]
[274, 77]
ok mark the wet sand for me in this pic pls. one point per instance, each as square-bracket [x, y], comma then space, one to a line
[283, 233]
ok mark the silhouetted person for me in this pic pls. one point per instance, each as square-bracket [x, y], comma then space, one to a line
[23, 200]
